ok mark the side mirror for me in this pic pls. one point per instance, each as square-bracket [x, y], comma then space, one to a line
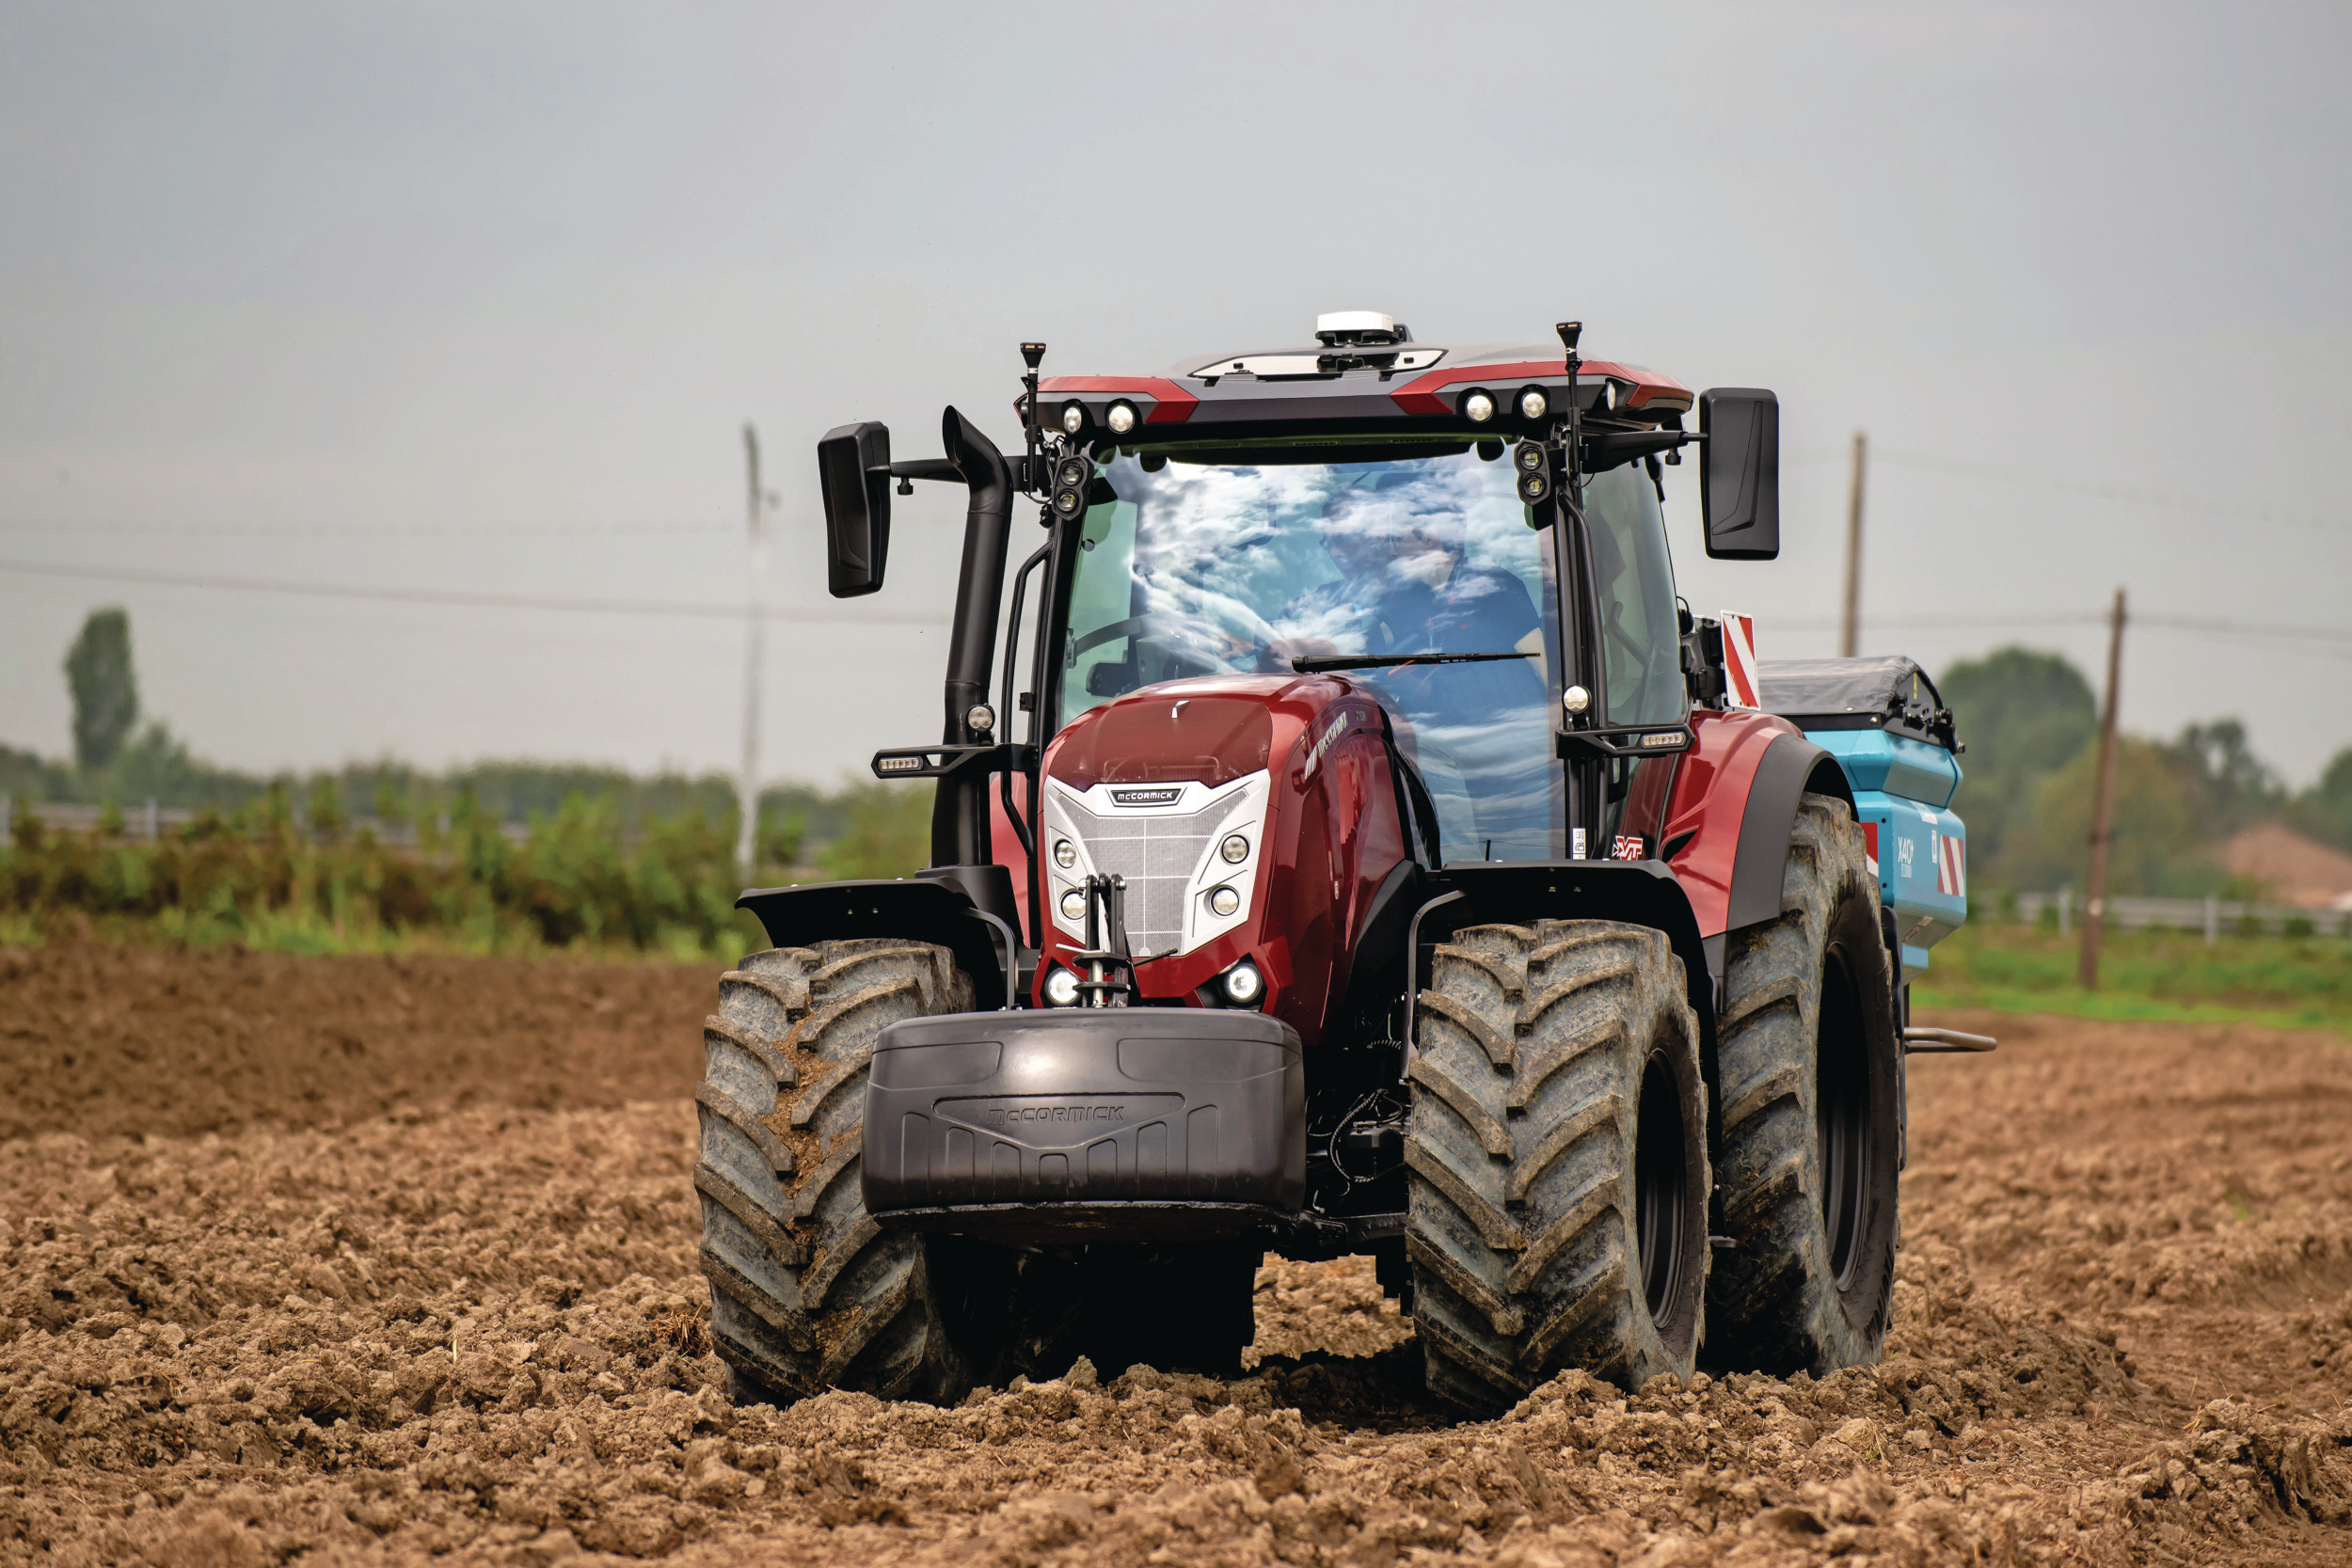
[1739, 472]
[853, 466]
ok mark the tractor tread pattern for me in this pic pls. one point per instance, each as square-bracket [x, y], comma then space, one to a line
[1521, 1246]
[1773, 1304]
[807, 1293]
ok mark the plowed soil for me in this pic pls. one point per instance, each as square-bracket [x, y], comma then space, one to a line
[354, 1261]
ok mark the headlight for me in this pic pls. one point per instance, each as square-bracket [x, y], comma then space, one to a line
[1073, 417]
[1224, 901]
[1478, 409]
[1062, 987]
[1072, 473]
[1532, 402]
[1235, 848]
[1073, 905]
[1064, 856]
[1241, 984]
[1121, 417]
[1534, 487]
[1528, 456]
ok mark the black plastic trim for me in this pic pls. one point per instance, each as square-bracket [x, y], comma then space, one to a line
[1642, 893]
[934, 906]
[1079, 1108]
[1760, 863]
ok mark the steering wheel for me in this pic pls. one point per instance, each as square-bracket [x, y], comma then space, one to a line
[1109, 633]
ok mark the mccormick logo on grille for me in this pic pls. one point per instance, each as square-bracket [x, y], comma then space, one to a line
[1148, 796]
[1062, 1111]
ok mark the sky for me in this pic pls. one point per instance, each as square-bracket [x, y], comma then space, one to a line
[478, 300]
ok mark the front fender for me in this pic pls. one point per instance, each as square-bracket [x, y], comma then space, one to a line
[928, 906]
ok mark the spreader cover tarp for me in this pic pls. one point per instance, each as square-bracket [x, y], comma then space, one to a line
[1891, 694]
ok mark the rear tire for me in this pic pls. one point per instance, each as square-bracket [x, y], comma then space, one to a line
[1809, 1064]
[1556, 1161]
[807, 1292]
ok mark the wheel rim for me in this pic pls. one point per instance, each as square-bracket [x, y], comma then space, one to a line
[1660, 1186]
[1841, 1109]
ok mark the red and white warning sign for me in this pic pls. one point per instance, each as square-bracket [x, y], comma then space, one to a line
[1740, 686]
[1951, 865]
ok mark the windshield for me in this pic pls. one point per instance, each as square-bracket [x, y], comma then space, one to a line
[1228, 568]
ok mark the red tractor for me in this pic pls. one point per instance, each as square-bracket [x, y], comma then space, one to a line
[1390, 865]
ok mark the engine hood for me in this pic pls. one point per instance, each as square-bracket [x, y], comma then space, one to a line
[1247, 815]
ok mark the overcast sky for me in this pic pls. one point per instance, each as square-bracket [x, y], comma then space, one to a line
[479, 299]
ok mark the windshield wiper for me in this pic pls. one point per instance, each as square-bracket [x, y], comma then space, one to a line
[1317, 664]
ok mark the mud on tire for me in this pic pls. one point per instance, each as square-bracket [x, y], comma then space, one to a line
[807, 1292]
[1556, 1161]
[1807, 1057]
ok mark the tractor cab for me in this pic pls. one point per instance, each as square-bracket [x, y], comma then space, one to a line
[1468, 536]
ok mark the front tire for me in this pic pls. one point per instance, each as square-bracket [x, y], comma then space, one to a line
[806, 1292]
[1809, 1066]
[1556, 1161]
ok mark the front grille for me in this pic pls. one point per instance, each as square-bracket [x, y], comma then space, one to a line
[1157, 855]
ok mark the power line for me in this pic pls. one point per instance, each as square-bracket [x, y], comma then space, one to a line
[318, 531]
[2037, 480]
[2336, 641]
[471, 600]
[2204, 624]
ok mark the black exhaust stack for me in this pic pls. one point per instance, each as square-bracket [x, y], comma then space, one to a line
[959, 823]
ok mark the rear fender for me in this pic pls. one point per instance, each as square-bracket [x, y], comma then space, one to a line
[1733, 809]
[1792, 768]
[934, 906]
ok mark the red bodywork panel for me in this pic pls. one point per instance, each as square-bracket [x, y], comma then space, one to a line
[1332, 833]
[1005, 846]
[1711, 795]
[1170, 403]
[1420, 395]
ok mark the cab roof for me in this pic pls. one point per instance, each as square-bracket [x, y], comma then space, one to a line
[1370, 386]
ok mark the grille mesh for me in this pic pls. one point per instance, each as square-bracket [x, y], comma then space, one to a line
[1157, 855]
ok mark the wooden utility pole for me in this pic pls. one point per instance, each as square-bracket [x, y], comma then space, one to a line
[747, 785]
[2103, 805]
[1850, 628]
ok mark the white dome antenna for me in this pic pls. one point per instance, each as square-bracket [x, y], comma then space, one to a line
[1360, 327]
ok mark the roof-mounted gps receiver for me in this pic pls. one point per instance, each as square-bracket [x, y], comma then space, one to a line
[1360, 327]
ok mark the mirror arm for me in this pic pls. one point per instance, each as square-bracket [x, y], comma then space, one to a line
[925, 468]
[945, 470]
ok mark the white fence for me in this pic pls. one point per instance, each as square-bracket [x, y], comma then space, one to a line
[2215, 917]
